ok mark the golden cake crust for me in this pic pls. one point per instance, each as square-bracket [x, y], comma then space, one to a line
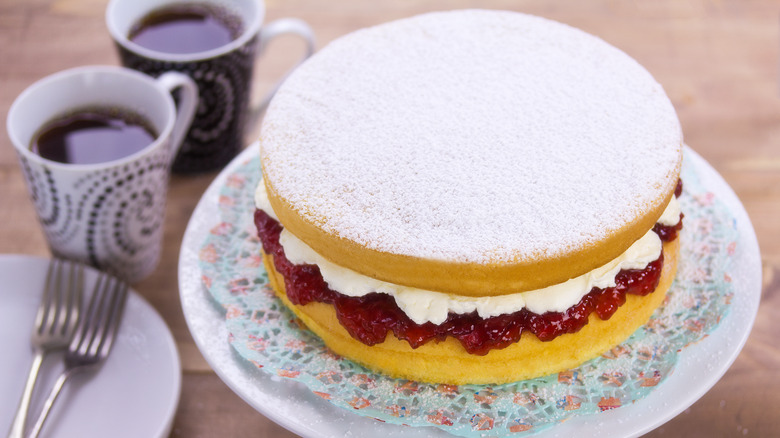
[467, 279]
[448, 361]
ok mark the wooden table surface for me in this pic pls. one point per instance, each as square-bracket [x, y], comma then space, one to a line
[717, 60]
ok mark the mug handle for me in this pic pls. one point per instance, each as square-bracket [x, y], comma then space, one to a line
[188, 103]
[282, 26]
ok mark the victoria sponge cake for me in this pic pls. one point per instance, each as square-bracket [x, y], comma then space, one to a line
[470, 196]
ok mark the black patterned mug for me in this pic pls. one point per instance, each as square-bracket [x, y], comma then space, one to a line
[223, 74]
[110, 213]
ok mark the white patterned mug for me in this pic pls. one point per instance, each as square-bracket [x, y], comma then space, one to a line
[223, 74]
[108, 214]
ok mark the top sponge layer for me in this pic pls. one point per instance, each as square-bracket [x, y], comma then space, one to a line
[506, 150]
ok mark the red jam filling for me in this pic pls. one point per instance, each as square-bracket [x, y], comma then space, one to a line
[369, 318]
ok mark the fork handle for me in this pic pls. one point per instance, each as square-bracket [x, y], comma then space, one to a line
[55, 391]
[17, 427]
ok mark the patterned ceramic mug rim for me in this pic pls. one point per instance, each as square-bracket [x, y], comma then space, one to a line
[118, 31]
[123, 73]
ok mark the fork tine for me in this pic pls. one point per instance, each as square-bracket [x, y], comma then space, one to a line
[72, 304]
[112, 290]
[88, 325]
[57, 309]
[109, 324]
[42, 318]
[99, 326]
[98, 319]
[64, 287]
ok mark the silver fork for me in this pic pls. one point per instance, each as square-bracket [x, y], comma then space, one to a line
[55, 324]
[94, 337]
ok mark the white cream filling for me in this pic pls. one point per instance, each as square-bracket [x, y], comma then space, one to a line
[428, 306]
[262, 202]
[671, 215]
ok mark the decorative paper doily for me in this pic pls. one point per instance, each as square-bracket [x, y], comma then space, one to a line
[269, 336]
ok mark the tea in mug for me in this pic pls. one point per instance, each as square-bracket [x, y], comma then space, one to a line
[93, 135]
[186, 28]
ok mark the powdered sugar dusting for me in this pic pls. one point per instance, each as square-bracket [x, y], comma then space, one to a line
[471, 136]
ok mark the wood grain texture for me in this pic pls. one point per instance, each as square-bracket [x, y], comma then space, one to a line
[717, 60]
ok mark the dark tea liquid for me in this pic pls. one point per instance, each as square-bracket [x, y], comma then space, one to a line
[93, 135]
[186, 28]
